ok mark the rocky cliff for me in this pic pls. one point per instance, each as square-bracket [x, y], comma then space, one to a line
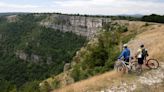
[81, 25]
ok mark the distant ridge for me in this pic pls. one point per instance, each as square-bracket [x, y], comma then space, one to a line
[12, 13]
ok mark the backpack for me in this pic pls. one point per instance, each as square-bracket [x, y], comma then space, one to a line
[144, 53]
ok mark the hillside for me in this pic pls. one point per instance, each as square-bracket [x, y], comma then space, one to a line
[30, 52]
[149, 81]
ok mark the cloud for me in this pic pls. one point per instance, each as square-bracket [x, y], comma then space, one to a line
[110, 7]
[80, 3]
[8, 5]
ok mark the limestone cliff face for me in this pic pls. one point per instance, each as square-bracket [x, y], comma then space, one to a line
[26, 57]
[81, 25]
[12, 18]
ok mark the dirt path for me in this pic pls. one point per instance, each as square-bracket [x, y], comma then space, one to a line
[150, 81]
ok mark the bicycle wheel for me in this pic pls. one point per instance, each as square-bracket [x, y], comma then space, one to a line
[152, 63]
[121, 68]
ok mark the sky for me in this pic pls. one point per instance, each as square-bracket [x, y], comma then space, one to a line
[91, 7]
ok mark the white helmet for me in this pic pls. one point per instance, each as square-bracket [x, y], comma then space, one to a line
[125, 45]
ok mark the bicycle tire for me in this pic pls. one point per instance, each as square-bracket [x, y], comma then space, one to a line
[121, 68]
[153, 63]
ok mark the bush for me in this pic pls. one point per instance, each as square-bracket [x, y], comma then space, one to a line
[55, 84]
[146, 24]
[6, 86]
[30, 87]
[45, 87]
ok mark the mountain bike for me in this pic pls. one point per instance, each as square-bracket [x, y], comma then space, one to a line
[122, 66]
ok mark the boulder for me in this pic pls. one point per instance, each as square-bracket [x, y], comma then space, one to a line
[67, 66]
[21, 55]
[35, 58]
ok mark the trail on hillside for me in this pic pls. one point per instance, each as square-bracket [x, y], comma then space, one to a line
[150, 81]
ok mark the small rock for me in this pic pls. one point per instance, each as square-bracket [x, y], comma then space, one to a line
[67, 66]
[21, 55]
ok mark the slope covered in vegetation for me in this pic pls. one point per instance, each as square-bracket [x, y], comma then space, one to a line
[30, 53]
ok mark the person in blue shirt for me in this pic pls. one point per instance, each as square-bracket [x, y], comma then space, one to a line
[125, 53]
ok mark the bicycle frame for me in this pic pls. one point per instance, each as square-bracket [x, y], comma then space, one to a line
[123, 63]
[130, 65]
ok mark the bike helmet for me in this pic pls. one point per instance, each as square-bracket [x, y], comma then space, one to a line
[142, 45]
[125, 45]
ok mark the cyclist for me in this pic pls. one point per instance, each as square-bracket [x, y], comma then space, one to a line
[144, 52]
[125, 53]
[141, 55]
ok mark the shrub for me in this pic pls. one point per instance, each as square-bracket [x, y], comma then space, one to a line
[146, 24]
[55, 84]
[45, 87]
[30, 87]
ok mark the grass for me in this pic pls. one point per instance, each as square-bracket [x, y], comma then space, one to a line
[153, 41]
[94, 83]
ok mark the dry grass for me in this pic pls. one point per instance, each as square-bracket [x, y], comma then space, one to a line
[153, 41]
[94, 83]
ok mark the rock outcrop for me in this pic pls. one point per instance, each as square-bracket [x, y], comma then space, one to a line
[81, 25]
[28, 58]
[21, 55]
[12, 18]
[67, 66]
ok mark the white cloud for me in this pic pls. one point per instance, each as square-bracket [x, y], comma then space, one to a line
[110, 7]
[8, 5]
[80, 3]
